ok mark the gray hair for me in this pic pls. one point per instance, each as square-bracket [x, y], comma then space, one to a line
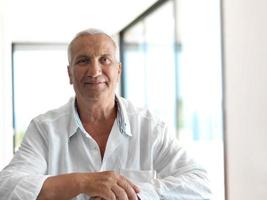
[90, 31]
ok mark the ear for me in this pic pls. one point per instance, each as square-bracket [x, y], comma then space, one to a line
[70, 75]
[119, 71]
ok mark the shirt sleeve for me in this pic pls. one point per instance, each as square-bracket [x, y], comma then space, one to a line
[178, 175]
[24, 176]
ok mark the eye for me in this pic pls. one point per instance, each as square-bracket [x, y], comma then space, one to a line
[82, 61]
[104, 60]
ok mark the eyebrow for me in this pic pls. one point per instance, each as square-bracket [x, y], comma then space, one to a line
[89, 56]
[81, 56]
[106, 54]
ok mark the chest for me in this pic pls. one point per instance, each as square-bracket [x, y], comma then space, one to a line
[119, 151]
[100, 133]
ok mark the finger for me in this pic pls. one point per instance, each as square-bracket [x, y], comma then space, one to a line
[135, 187]
[131, 193]
[94, 198]
[107, 194]
[120, 193]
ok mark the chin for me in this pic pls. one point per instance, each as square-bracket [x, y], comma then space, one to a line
[99, 97]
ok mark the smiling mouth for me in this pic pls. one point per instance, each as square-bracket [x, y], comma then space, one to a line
[94, 83]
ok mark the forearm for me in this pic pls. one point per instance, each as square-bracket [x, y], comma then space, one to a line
[20, 185]
[185, 186]
[62, 187]
[191, 185]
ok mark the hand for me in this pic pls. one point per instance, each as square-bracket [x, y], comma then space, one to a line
[95, 198]
[99, 198]
[109, 186]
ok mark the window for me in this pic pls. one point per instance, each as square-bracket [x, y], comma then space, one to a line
[149, 64]
[171, 58]
[40, 82]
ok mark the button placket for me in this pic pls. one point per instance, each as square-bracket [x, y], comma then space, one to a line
[95, 154]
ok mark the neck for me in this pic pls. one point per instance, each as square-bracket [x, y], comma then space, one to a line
[96, 110]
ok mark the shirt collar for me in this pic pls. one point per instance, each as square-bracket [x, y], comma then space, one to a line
[122, 118]
[73, 127]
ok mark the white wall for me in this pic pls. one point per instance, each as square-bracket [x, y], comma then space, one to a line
[245, 40]
[59, 20]
[6, 130]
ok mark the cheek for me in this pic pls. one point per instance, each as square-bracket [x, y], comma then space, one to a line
[115, 77]
[78, 74]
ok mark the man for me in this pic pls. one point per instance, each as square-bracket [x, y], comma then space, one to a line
[98, 145]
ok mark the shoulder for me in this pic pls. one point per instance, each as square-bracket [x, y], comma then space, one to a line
[52, 127]
[61, 113]
[142, 114]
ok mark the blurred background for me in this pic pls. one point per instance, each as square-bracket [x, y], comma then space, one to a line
[200, 65]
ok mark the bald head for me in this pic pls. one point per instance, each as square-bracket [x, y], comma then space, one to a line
[90, 31]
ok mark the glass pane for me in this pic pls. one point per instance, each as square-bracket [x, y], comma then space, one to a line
[40, 82]
[133, 68]
[179, 76]
[150, 64]
[200, 85]
[160, 64]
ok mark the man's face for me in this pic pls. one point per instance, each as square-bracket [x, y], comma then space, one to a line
[93, 69]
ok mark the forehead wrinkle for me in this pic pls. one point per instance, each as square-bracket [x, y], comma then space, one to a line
[93, 53]
[90, 47]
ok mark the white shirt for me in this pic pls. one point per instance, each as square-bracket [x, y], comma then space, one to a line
[139, 147]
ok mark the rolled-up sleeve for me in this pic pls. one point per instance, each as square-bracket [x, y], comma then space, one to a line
[23, 178]
[191, 185]
[178, 175]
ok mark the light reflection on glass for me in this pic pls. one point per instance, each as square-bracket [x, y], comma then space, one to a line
[179, 77]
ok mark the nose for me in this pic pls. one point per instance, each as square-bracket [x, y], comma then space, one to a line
[94, 69]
